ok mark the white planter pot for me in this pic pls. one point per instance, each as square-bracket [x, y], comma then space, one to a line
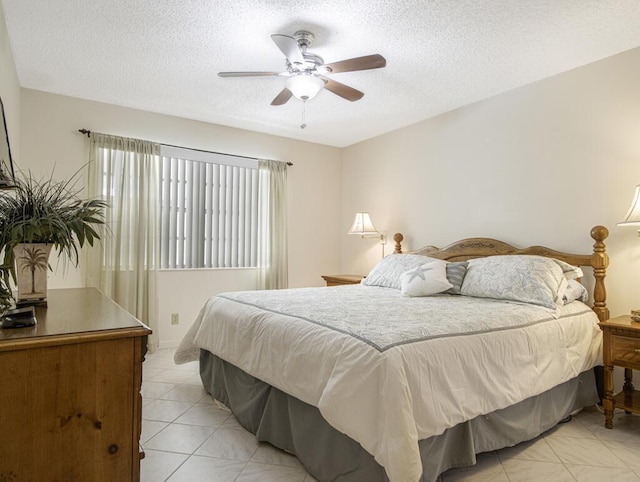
[32, 263]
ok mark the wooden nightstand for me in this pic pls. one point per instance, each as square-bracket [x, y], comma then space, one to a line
[342, 279]
[622, 349]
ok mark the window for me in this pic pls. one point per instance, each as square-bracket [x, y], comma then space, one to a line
[209, 210]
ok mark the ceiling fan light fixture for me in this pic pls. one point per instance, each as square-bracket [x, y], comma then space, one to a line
[305, 86]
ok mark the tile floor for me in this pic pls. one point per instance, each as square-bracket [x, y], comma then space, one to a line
[186, 437]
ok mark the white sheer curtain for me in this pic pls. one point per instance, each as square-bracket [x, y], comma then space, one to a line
[272, 225]
[125, 173]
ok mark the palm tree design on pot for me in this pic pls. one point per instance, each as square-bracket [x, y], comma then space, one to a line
[33, 260]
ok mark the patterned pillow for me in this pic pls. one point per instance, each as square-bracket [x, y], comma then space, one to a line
[455, 275]
[388, 271]
[425, 280]
[528, 279]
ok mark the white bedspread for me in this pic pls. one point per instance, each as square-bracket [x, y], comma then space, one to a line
[389, 371]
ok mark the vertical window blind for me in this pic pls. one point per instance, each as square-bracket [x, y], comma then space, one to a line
[209, 210]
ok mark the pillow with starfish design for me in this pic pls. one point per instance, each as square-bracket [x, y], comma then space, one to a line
[427, 279]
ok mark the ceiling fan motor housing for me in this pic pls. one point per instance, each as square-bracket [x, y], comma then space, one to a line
[304, 38]
[305, 71]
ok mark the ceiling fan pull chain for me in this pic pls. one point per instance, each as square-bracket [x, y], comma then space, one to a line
[304, 124]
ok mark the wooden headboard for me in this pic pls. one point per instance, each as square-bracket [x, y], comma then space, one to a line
[481, 247]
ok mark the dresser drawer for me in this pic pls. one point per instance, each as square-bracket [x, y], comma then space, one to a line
[625, 351]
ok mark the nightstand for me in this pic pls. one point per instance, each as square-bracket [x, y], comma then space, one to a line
[621, 348]
[342, 279]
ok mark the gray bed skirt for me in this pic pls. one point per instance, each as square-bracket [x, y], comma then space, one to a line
[296, 427]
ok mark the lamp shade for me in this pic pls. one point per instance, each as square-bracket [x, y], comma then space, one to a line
[305, 86]
[363, 226]
[633, 215]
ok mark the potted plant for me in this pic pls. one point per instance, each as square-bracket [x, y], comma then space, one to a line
[35, 216]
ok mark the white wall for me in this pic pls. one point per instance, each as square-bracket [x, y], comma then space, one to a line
[541, 164]
[50, 138]
[9, 90]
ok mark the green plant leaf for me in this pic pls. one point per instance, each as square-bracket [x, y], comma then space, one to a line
[45, 211]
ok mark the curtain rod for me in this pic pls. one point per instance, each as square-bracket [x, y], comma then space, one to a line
[87, 132]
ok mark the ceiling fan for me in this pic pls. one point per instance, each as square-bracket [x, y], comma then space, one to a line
[307, 73]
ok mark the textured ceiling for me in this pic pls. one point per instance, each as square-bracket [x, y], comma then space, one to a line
[163, 55]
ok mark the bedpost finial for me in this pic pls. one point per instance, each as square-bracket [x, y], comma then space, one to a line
[599, 233]
[398, 237]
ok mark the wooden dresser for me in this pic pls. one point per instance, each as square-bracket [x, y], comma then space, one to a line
[70, 404]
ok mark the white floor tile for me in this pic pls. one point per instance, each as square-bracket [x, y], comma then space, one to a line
[192, 367]
[626, 428]
[156, 389]
[163, 353]
[180, 438]
[487, 469]
[184, 393]
[583, 451]
[531, 470]
[573, 428]
[271, 473]
[171, 376]
[629, 452]
[537, 449]
[164, 410]
[583, 473]
[229, 444]
[232, 423]
[193, 380]
[157, 466]
[150, 428]
[150, 372]
[207, 469]
[158, 362]
[206, 414]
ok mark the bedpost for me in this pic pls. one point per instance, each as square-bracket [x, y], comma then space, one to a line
[398, 237]
[600, 262]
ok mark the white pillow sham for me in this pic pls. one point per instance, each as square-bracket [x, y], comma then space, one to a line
[427, 279]
[388, 271]
[528, 279]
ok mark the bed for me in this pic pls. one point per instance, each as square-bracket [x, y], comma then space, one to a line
[379, 382]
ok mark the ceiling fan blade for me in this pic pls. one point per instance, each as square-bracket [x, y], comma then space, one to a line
[282, 98]
[289, 47]
[375, 61]
[344, 91]
[247, 74]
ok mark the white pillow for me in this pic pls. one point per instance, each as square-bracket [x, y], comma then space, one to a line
[570, 272]
[528, 279]
[575, 291]
[427, 279]
[388, 271]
